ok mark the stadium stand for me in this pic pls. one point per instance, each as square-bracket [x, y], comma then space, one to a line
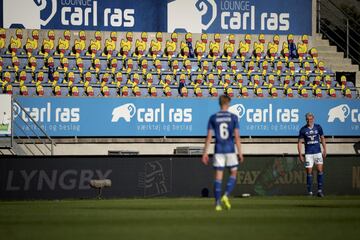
[92, 65]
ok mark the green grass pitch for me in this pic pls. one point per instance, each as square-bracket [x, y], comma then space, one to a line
[169, 218]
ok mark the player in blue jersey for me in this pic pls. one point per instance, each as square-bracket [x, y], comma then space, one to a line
[225, 127]
[311, 135]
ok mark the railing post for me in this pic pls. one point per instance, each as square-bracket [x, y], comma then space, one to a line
[347, 37]
[318, 16]
[12, 122]
[52, 147]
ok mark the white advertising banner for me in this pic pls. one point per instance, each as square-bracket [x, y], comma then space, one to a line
[5, 114]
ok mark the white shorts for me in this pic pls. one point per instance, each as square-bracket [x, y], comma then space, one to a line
[222, 160]
[310, 159]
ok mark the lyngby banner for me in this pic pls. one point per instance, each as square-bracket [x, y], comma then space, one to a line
[197, 16]
[181, 117]
[147, 176]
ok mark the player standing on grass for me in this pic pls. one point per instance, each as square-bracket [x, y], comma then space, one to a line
[310, 135]
[225, 126]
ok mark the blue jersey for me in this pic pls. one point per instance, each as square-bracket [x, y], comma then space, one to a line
[223, 124]
[311, 138]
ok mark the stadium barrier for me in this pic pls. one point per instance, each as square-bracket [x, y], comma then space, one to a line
[169, 176]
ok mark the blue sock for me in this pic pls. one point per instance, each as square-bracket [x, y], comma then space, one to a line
[309, 182]
[230, 185]
[217, 191]
[320, 179]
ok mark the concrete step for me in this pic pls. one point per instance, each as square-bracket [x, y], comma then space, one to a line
[6, 152]
[329, 54]
[343, 68]
[320, 43]
[336, 61]
[319, 37]
[342, 61]
[347, 60]
[20, 149]
[325, 48]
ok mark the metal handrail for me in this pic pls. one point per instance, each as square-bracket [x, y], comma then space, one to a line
[27, 114]
[352, 47]
[340, 18]
[339, 27]
[344, 13]
[32, 130]
[23, 142]
[334, 23]
[337, 43]
[340, 46]
[354, 59]
[345, 27]
[52, 143]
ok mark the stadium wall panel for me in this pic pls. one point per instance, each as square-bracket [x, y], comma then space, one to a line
[211, 16]
[154, 147]
[166, 176]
